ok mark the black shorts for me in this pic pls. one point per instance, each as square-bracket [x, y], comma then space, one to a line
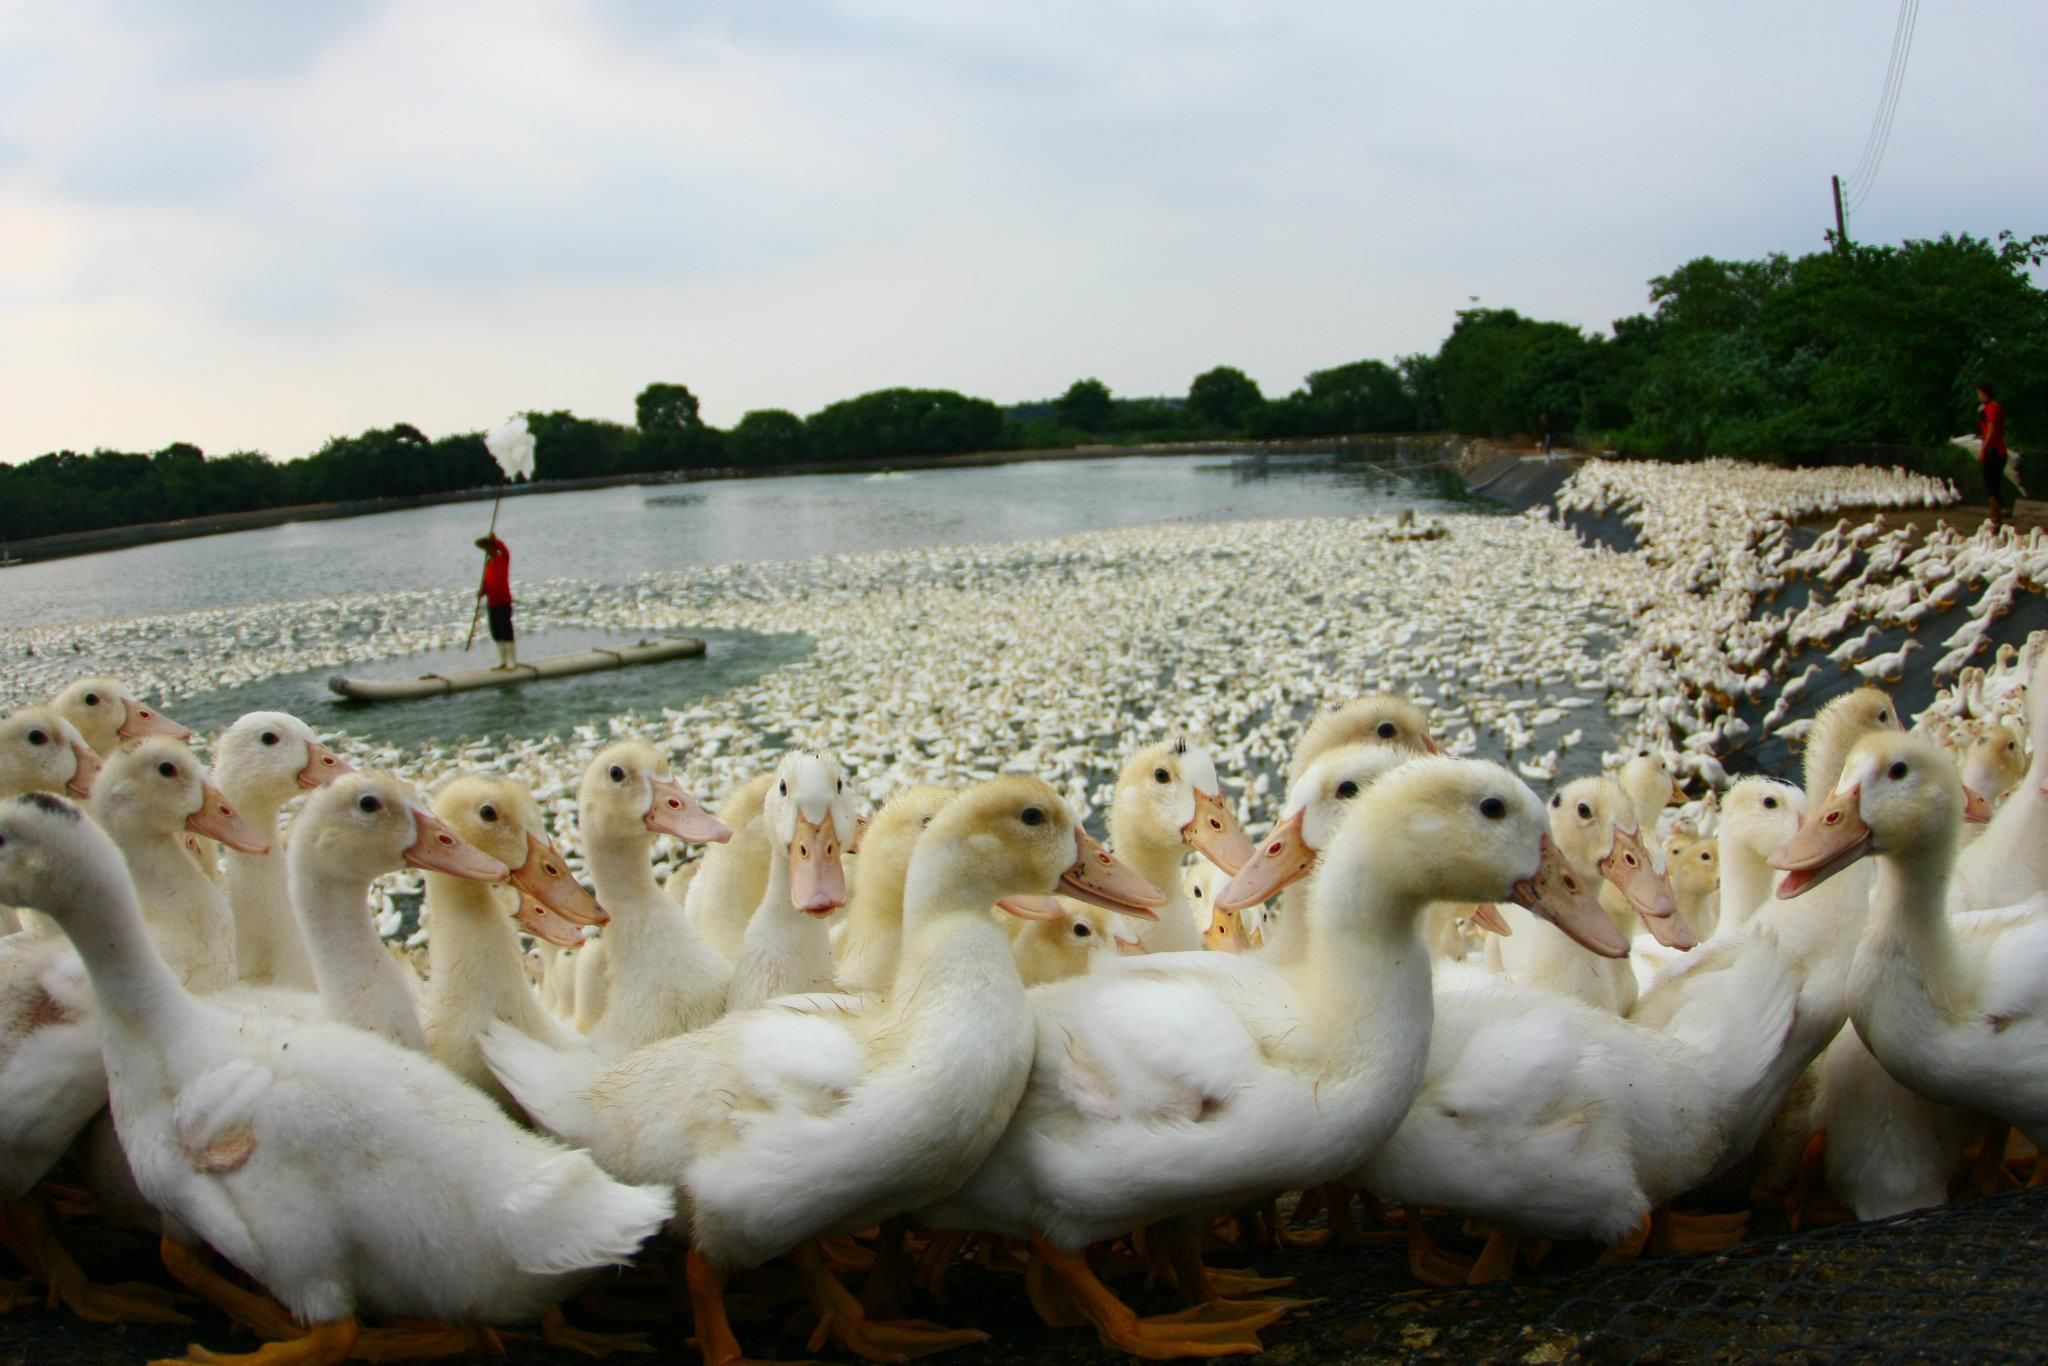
[501, 621]
[1994, 473]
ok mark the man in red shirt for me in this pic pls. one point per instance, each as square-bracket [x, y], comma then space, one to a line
[497, 595]
[1991, 428]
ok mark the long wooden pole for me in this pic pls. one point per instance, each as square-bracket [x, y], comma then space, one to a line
[477, 615]
[1841, 227]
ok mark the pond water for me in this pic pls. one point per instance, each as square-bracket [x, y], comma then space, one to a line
[611, 535]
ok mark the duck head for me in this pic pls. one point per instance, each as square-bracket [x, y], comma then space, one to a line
[267, 757]
[158, 788]
[108, 715]
[811, 817]
[498, 817]
[629, 791]
[1316, 806]
[363, 825]
[1168, 796]
[1758, 815]
[1836, 730]
[42, 752]
[1695, 866]
[1994, 763]
[1015, 837]
[48, 850]
[1593, 821]
[1898, 793]
[1379, 718]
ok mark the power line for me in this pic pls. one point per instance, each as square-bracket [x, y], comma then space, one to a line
[1888, 103]
[1891, 71]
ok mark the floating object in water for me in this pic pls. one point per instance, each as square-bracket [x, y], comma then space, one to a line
[555, 666]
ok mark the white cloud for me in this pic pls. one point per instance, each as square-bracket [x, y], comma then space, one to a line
[253, 226]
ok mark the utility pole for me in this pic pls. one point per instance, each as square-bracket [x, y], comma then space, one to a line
[1841, 228]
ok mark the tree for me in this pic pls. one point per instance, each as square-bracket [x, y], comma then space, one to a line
[1364, 396]
[670, 435]
[903, 422]
[1086, 406]
[666, 408]
[767, 436]
[1224, 397]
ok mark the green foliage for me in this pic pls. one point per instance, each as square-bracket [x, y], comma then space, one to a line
[1086, 406]
[1224, 397]
[671, 435]
[766, 436]
[903, 422]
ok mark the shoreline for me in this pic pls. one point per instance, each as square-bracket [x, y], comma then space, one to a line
[136, 534]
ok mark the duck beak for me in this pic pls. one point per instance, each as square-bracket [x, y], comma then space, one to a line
[1430, 745]
[1033, 907]
[1098, 879]
[88, 769]
[1834, 838]
[1225, 934]
[1282, 858]
[217, 820]
[1678, 793]
[141, 721]
[675, 812]
[1128, 948]
[1216, 834]
[1487, 916]
[1670, 930]
[545, 879]
[323, 766]
[1627, 866]
[1558, 894]
[543, 924]
[817, 879]
[440, 850]
[1976, 809]
[860, 832]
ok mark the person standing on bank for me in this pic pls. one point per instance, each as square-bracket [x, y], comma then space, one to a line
[497, 595]
[1992, 457]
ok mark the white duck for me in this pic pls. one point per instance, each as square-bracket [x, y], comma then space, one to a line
[2008, 863]
[353, 831]
[41, 752]
[1169, 801]
[726, 888]
[870, 939]
[343, 1173]
[108, 715]
[475, 975]
[1953, 1010]
[809, 817]
[1538, 1113]
[262, 761]
[148, 798]
[823, 1114]
[1171, 1084]
[663, 979]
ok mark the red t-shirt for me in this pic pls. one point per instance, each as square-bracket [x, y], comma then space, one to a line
[1992, 428]
[498, 575]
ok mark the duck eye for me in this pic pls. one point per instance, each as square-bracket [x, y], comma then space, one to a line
[1884, 716]
[269, 737]
[1346, 790]
[1770, 803]
[1706, 857]
[1031, 815]
[1160, 775]
[839, 785]
[1585, 812]
[368, 804]
[488, 812]
[1898, 771]
[92, 699]
[1386, 730]
[783, 787]
[1082, 931]
[618, 774]
[168, 769]
[36, 737]
[1557, 802]
[1493, 808]
[924, 822]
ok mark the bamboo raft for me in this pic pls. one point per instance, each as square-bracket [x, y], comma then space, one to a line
[555, 666]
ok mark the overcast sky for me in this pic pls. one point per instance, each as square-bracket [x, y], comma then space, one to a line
[257, 226]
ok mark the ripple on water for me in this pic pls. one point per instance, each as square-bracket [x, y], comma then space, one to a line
[553, 706]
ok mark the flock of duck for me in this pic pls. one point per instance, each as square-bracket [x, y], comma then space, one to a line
[883, 1026]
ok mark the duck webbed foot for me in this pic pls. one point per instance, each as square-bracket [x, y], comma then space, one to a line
[324, 1344]
[192, 1268]
[25, 1233]
[842, 1320]
[1427, 1262]
[1628, 1248]
[557, 1331]
[1692, 1231]
[1062, 1284]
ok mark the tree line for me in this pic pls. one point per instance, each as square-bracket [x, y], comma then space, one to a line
[1799, 359]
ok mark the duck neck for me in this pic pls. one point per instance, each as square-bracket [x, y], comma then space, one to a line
[1364, 961]
[268, 948]
[473, 954]
[785, 950]
[1910, 906]
[137, 990]
[1746, 884]
[360, 983]
[1175, 931]
[186, 915]
[622, 871]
